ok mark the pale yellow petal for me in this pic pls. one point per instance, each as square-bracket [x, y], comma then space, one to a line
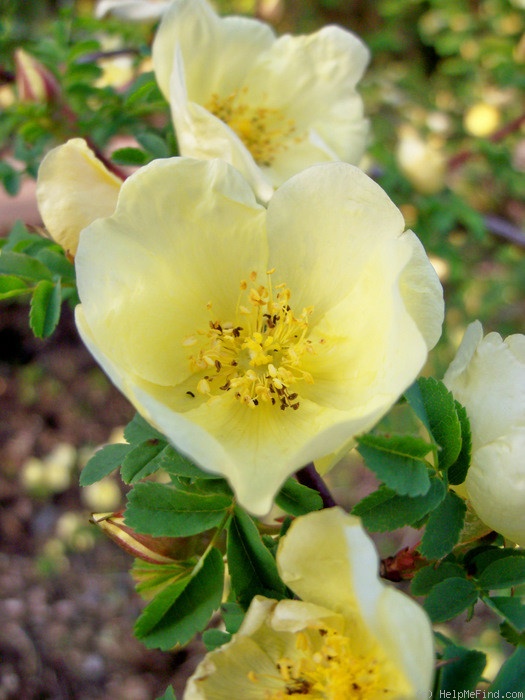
[211, 48]
[334, 217]
[405, 633]
[312, 80]
[160, 234]
[488, 377]
[327, 559]
[73, 189]
[496, 484]
[202, 135]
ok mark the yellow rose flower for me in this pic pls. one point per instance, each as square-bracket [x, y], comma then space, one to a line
[257, 339]
[350, 635]
[73, 189]
[269, 106]
[488, 377]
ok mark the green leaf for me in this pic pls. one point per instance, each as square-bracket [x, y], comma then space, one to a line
[163, 511]
[23, 266]
[10, 178]
[103, 462]
[503, 573]
[385, 510]
[508, 632]
[11, 286]
[177, 465]
[443, 527]
[130, 156]
[45, 308]
[139, 430]
[458, 471]
[511, 676]
[142, 460]
[213, 639]
[479, 558]
[153, 144]
[512, 609]
[169, 694]
[428, 577]
[442, 419]
[449, 598]
[151, 579]
[398, 461]
[182, 612]
[252, 568]
[233, 615]
[296, 499]
[463, 669]
[57, 263]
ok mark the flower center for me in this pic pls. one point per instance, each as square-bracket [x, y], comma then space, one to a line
[327, 667]
[258, 355]
[263, 130]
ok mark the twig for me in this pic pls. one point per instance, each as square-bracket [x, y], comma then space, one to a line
[308, 476]
[462, 157]
[504, 229]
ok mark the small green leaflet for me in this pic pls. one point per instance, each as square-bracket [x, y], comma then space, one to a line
[164, 511]
[143, 460]
[252, 568]
[398, 461]
[449, 598]
[435, 407]
[428, 577]
[443, 527]
[180, 611]
[296, 499]
[463, 669]
[45, 308]
[512, 609]
[385, 510]
[503, 573]
[104, 461]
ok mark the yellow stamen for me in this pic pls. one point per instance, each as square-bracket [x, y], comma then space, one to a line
[265, 131]
[327, 665]
[258, 356]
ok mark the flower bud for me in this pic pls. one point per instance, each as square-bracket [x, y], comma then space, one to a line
[34, 82]
[155, 550]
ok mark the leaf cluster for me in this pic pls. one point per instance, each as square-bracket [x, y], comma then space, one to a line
[35, 268]
[197, 511]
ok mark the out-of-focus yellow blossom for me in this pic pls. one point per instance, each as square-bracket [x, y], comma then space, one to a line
[136, 10]
[488, 377]
[73, 189]
[104, 495]
[350, 635]
[269, 106]
[482, 119]
[256, 339]
[51, 474]
[422, 161]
